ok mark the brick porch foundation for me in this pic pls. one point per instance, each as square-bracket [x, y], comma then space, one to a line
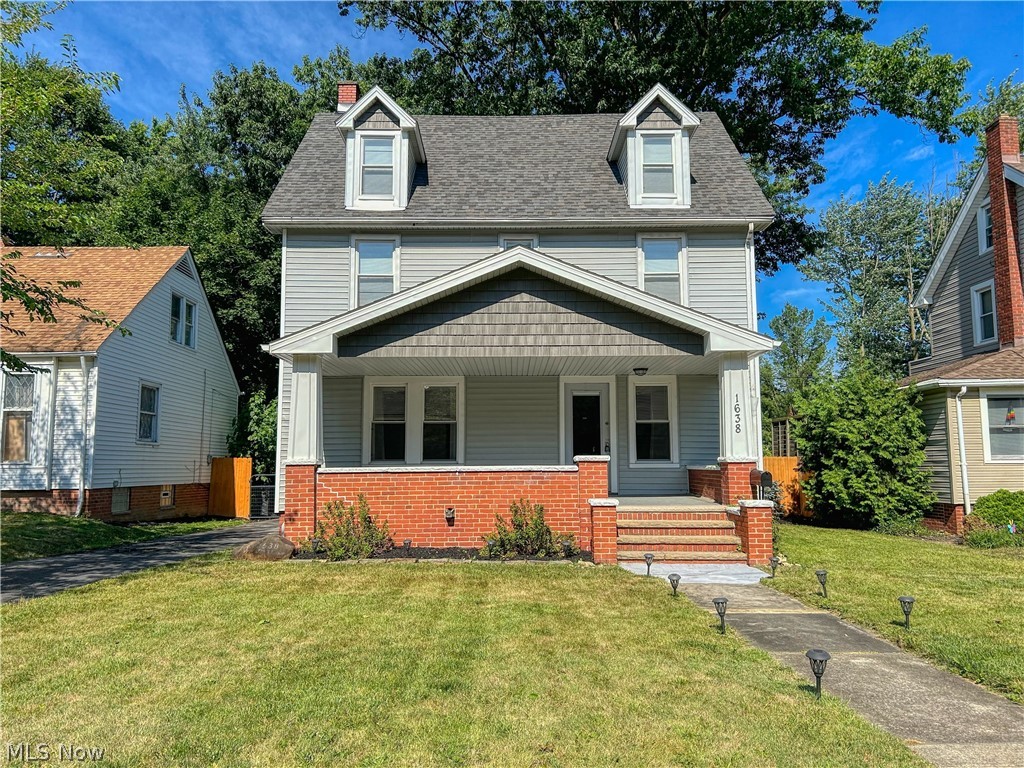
[753, 520]
[945, 517]
[190, 500]
[727, 484]
[413, 501]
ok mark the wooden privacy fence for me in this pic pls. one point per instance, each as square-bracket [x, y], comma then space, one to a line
[785, 471]
[229, 487]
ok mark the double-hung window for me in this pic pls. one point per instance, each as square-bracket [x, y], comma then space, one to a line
[653, 415]
[19, 395]
[377, 167]
[413, 421]
[661, 267]
[1003, 414]
[983, 312]
[985, 228]
[183, 321]
[376, 269]
[149, 413]
[657, 165]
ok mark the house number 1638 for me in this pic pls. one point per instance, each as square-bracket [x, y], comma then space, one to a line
[736, 409]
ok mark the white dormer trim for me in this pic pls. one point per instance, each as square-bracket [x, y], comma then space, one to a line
[406, 122]
[688, 120]
[680, 196]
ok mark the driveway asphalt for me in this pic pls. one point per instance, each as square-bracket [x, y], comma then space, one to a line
[47, 575]
[947, 720]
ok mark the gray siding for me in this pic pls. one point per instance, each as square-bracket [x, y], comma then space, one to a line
[198, 395]
[698, 438]
[512, 420]
[515, 315]
[934, 412]
[316, 279]
[378, 117]
[950, 314]
[657, 116]
[343, 426]
[717, 271]
[608, 254]
[426, 256]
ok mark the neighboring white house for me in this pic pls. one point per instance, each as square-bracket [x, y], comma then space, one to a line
[468, 297]
[109, 425]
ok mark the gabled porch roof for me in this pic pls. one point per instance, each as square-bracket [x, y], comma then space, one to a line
[718, 335]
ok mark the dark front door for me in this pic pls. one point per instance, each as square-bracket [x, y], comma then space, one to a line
[586, 425]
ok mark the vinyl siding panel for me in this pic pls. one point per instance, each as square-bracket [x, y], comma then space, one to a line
[934, 409]
[698, 437]
[512, 420]
[67, 424]
[198, 395]
[316, 279]
[343, 413]
[950, 317]
[717, 275]
[426, 256]
[983, 478]
[611, 254]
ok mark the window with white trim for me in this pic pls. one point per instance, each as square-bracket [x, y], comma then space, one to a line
[376, 269]
[19, 397]
[149, 413]
[377, 166]
[657, 165]
[183, 321]
[653, 414]
[387, 436]
[415, 420]
[1004, 425]
[983, 312]
[985, 228]
[661, 269]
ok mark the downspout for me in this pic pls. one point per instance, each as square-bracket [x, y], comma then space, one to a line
[80, 504]
[963, 451]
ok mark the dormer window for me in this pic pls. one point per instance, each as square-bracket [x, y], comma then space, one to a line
[377, 167]
[657, 173]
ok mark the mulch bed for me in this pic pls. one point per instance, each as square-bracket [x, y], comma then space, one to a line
[450, 553]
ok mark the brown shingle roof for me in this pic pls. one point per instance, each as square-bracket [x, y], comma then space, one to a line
[993, 366]
[114, 281]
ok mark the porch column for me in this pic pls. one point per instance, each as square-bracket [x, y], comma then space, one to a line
[740, 444]
[306, 437]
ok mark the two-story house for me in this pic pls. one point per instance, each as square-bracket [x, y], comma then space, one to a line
[973, 382]
[114, 426]
[477, 309]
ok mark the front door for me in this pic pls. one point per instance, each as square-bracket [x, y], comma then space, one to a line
[586, 424]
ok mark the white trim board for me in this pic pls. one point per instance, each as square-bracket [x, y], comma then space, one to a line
[613, 419]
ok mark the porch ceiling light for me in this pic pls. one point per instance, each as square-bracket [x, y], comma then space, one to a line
[673, 579]
[822, 578]
[774, 563]
[721, 603]
[907, 604]
[648, 558]
[819, 659]
[640, 371]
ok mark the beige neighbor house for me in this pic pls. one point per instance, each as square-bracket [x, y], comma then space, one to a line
[111, 426]
[560, 307]
[973, 383]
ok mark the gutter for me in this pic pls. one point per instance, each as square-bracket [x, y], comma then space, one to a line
[954, 383]
[276, 222]
[965, 486]
[84, 453]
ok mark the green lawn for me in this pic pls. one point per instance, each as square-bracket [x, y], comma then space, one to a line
[25, 535]
[231, 663]
[969, 614]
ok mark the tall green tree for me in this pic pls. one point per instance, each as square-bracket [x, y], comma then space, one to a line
[785, 77]
[802, 359]
[872, 261]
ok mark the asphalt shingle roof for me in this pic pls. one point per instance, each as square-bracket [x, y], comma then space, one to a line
[993, 366]
[113, 281]
[526, 168]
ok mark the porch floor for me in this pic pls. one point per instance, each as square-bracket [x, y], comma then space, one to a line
[667, 504]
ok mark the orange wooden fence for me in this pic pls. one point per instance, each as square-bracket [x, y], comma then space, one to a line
[785, 471]
[229, 487]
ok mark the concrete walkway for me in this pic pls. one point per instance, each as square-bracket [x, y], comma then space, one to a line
[945, 719]
[47, 575]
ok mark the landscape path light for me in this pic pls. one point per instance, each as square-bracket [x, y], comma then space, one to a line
[822, 578]
[408, 545]
[721, 603]
[819, 660]
[907, 604]
[673, 579]
[774, 563]
[649, 558]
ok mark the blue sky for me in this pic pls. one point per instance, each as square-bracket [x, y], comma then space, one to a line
[156, 47]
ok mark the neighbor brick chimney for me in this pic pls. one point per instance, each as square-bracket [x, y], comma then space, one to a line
[348, 94]
[1003, 142]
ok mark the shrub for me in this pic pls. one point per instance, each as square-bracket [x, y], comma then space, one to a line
[348, 532]
[254, 433]
[861, 440]
[528, 535]
[1001, 508]
[991, 537]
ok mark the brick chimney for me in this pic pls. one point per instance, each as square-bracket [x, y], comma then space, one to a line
[1003, 146]
[348, 94]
